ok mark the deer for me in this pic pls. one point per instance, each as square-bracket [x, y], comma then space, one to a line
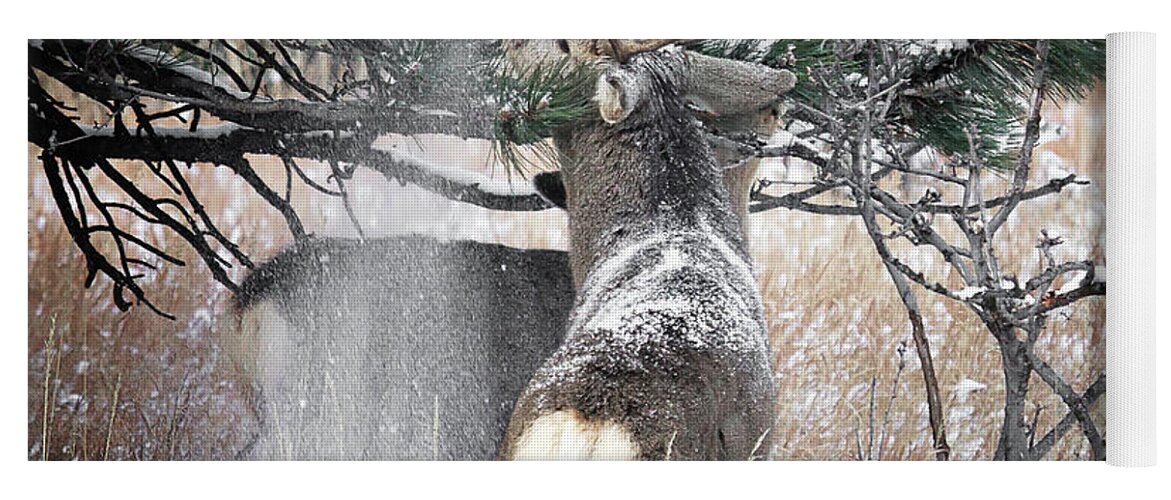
[417, 347]
[396, 348]
[666, 354]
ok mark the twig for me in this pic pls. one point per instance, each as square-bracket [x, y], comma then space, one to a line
[755, 447]
[113, 417]
[1032, 134]
[862, 190]
[45, 398]
[894, 394]
[339, 177]
[873, 409]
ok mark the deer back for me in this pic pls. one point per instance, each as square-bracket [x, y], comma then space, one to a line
[666, 355]
[396, 348]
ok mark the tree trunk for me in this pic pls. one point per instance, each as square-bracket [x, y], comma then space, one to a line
[1014, 433]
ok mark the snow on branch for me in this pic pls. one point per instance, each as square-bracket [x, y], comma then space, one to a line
[165, 79]
[853, 142]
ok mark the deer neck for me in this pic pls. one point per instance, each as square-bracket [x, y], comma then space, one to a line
[630, 182]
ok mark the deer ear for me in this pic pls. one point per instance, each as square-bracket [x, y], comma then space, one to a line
[550, 187]
[616, 95]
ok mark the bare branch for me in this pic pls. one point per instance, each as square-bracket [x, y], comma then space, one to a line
[1093, 392]
[47, 126]
[1051, 187]
[230, 144]
[217, 60]
[1032, 134]
[1077, 404]
[861, 163]
[1057, 301]
[473, 119]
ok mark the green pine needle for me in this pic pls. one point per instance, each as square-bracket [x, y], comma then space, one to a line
[534, 102]
[986, 84]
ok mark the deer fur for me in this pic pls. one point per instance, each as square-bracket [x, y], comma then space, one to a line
[398, 348]
[666, 354]
[509, 304]
[383, 333]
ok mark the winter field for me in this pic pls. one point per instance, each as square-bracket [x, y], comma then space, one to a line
[103, 384]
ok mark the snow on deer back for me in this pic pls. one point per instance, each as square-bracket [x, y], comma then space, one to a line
[666, 354]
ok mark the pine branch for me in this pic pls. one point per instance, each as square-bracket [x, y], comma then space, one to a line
[229, 146]
[536, 100]
[468, 116]
[459, 88]
[949, 86]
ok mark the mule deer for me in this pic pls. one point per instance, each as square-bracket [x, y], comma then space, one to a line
[396, 348]
[413, 347]
[477, 319]
[666, 354]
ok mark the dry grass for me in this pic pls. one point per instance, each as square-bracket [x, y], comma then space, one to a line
[836, 321]
[106, 384]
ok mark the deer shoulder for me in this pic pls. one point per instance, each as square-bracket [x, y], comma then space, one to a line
[666, 353]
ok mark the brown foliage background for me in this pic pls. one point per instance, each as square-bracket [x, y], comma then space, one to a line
[103, 384]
